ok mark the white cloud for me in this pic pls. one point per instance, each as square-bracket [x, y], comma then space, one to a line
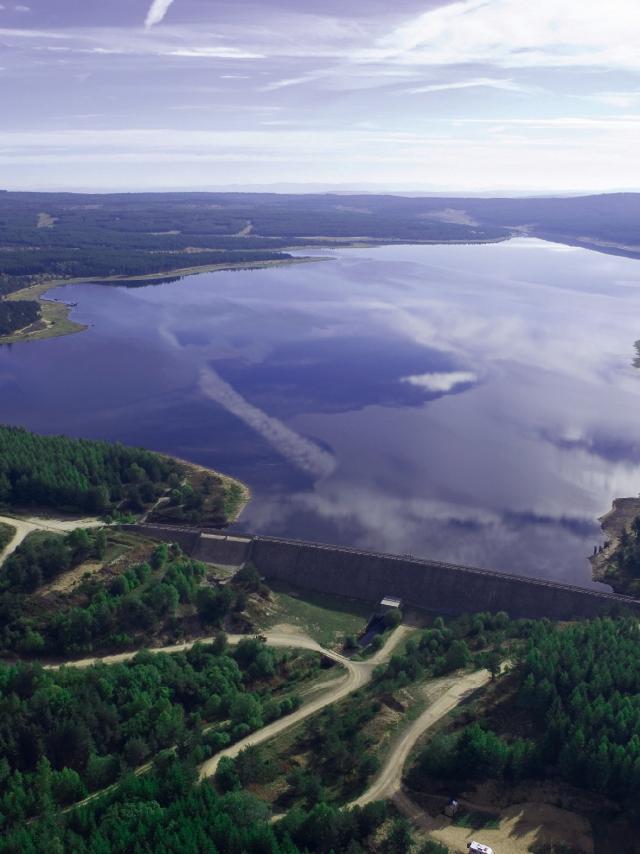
[442, 381]
[157, 11]
[621, 100]
[22, 8]
[212, 53]
[484, 82]
[518, 33]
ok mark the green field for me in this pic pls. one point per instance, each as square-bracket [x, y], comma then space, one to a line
[327, 619]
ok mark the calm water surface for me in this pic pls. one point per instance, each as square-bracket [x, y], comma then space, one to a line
[471, 403]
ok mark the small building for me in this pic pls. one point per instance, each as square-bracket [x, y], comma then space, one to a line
[479, 848]
[387, 603]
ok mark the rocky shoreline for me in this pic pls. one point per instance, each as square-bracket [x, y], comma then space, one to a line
[613, 523]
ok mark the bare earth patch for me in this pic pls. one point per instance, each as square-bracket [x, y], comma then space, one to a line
[523, 827]
[66, 582]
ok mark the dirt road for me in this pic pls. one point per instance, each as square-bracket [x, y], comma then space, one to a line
[358, 674]
[26, 525]
[389, 780]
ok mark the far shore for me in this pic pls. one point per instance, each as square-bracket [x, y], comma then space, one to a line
[55, 320]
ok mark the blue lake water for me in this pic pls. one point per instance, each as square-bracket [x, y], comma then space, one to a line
[475, 404]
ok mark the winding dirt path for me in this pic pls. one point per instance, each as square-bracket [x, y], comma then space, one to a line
[26, 525]
[389, 781]
[358, 674]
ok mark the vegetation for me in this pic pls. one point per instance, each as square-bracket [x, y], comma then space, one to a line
[577, 702]
[17, 314]
[7, 533]
[41, 558]
[132, 607]
[84, 476]
[165, 811]
[71, 731]
[77, 474]
[327, 619]
[441, 649]
[624, 564]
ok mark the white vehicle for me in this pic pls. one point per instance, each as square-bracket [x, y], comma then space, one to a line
[478, 848]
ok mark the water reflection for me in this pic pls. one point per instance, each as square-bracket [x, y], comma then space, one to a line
[472, 403]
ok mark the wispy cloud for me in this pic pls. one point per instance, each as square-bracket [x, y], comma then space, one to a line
[157, 11]
[483, 82]
[517, 33]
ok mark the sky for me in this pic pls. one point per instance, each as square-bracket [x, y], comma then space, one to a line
[476, 96]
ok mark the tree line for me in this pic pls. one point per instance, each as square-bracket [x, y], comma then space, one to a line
[17, 314]
[70, 731]
[167, 811]
[578, 686]
[41, 558]
[79, 474]
[130, 607]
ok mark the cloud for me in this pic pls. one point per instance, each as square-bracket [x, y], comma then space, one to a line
[302, 453]
[517, 33]
[442, 381]
[157, 11]
[213, 53]
[488, 82]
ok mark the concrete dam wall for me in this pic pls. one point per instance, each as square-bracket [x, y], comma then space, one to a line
[425, 584]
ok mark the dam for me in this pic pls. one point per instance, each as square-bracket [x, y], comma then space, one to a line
[424, 584]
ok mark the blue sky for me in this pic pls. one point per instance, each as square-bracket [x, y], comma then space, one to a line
[476, 95]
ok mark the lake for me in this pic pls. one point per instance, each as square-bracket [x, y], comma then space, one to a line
[475, 404]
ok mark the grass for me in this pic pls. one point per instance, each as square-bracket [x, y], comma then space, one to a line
[55, 317]
[7, 533]
[327, 619]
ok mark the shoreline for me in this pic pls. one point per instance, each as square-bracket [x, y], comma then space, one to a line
[55, 322]
[55, 315]
[618, 518]
[226, 479]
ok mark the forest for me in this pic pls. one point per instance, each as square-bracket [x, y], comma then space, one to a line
[17, 314]
[111, 611]
[577, 706]
[73, 731]
[42, 557]
[64, 235]
[77, 474]
[85, 476]
[166, 811]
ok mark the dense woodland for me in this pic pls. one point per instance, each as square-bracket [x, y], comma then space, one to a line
[578, 707]
[134, 606]
[17, 314]
[42, 557]
[84, 476]
[71, 731]
[78, 474]
[164, 811]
